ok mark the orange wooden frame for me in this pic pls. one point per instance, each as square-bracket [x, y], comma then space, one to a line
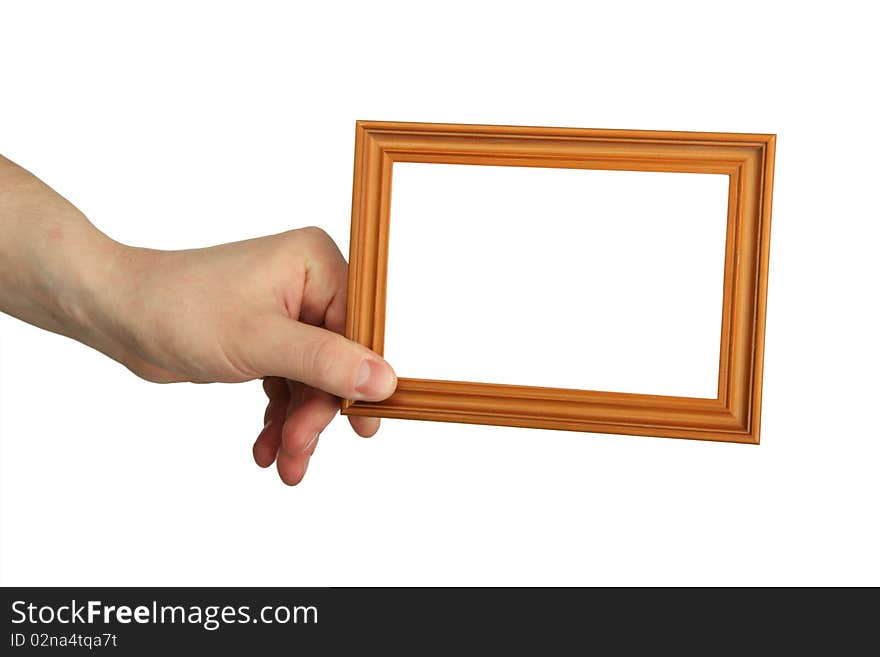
[734, 415]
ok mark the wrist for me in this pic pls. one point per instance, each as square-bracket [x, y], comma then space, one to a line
[101, 306]
[85, 297]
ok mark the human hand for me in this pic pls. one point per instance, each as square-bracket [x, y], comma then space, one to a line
[270, 308]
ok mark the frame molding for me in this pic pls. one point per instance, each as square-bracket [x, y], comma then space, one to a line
[747, 159]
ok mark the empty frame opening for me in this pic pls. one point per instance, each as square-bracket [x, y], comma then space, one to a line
[565, 278]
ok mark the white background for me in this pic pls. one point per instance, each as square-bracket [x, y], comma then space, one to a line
[568, 278]
[183, 124]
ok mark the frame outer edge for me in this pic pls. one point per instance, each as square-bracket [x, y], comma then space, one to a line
[369, 253]
[763, 283]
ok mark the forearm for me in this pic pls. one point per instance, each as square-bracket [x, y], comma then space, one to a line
[56, 269]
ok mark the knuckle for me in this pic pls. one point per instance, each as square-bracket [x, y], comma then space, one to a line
[320, 242]
[316, 234]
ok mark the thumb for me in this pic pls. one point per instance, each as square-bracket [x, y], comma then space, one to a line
[321, 359]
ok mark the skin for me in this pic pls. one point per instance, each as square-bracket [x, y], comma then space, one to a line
[270, 308]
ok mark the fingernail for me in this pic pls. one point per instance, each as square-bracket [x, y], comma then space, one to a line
[374, 380]
[311, 442]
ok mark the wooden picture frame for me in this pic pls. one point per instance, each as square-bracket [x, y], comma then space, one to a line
[747, 159]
